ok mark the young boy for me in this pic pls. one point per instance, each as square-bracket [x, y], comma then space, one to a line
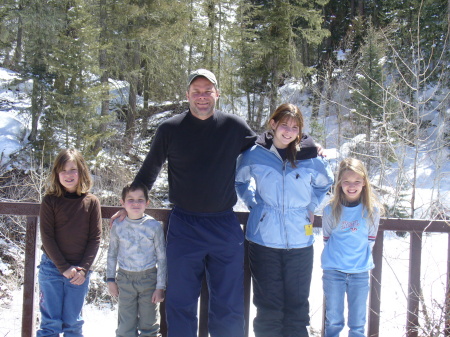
[137, 245]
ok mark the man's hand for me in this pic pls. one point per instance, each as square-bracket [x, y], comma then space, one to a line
[321, 151]
[113, 289]
[158, 296]
[120, 214]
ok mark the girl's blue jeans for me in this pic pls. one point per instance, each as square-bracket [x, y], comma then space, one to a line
[335, 285]
[60, 302]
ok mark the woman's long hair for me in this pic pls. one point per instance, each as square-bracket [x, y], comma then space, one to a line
[286, 112]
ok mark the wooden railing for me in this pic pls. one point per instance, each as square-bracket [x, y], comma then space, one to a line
[416, 228]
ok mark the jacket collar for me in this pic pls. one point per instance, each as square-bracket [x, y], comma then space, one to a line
[307, 150]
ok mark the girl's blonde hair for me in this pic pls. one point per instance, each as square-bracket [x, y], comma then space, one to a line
[286, 112]
[368, 197]
[84, 177]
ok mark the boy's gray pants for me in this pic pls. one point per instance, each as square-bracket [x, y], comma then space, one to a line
[138, 316]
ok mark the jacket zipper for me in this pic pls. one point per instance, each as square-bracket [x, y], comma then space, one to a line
[284, 192]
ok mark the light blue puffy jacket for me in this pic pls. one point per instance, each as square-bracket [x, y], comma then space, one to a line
[279, 196]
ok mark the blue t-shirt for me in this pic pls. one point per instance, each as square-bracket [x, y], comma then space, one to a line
[348, 244]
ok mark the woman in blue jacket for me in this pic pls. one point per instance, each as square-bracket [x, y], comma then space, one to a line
[282, 186]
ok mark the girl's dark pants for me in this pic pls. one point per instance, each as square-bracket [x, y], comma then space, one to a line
[281, 283]
[199, 244]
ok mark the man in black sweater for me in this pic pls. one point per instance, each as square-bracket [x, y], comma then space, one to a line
[204, 235]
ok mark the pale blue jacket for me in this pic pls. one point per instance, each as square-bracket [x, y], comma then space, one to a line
[280, 196]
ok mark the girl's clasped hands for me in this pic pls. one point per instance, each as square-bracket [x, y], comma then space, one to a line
[76, 275]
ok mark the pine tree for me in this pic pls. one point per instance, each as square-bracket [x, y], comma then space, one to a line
[103, 39]
[146, 51]
[42, 22]
[11, 33]
[367, 93]
[274, 33]
[60, 49]
[75, 96]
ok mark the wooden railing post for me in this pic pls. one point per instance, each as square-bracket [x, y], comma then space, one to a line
[28, 315]
[414, 290]
[447, 293]
[375, 287]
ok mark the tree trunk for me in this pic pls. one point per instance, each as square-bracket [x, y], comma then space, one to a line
[274, 84]
[273, 96]
[352, 9]
[7, 59]
[249, 110]
[130, 128]
[259, 113]
[37, 102]
[191, 20]
[102, 60]
[448, 18]
[212, 35]
[317, 92]
[18, 50]
[219, 37]
[145, 109]
[360, 8]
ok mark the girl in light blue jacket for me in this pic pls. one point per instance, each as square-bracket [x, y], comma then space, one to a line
[282, 187]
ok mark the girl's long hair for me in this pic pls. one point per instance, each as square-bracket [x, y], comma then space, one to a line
[286, 112]
[84, 177]
[368, 198]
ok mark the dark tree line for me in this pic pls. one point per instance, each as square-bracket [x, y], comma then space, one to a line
[72, 49]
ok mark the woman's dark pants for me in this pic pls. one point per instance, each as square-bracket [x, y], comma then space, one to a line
[281, 283]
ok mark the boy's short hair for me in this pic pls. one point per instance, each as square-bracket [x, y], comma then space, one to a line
[131, 187]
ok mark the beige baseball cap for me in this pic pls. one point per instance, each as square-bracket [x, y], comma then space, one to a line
[204, 73]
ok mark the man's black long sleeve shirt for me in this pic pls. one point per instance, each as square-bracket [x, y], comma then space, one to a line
[201, 157]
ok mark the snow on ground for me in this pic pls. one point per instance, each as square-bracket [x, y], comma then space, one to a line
[98, 322]
[13, 126]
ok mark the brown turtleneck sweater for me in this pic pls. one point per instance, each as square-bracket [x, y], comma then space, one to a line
[71, 230]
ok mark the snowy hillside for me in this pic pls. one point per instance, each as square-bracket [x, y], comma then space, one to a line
[14, 98]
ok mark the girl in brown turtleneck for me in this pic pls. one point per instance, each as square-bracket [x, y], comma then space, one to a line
[70, 227]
